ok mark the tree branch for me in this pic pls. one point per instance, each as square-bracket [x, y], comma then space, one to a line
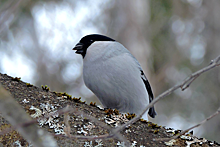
[193, 127]
[185, 84]
[15, 114]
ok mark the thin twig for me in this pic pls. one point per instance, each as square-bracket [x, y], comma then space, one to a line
[213, 64]
[60, 112]
[106, 136]
[76, 112]
[193, 127]
[115, 135]
[189, 83]
[67, 127]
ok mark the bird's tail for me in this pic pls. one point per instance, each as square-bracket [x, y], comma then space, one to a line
[152, 112]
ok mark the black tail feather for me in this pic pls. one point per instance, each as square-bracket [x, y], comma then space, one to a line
[152, 112]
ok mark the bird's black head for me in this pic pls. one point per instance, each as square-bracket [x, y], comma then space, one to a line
[86, 41]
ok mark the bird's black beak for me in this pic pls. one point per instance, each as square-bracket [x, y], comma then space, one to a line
[79, 48]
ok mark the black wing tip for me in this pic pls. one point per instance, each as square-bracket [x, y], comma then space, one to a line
[152, 112]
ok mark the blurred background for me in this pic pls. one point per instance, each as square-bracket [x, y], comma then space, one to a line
[171, 39]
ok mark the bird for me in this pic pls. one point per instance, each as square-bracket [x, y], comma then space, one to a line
[114, 75]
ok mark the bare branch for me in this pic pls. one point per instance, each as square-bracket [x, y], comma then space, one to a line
[66, 122]
[193, 127]
[185, 84]
[116, 135]
[15, 114]
[65, 111]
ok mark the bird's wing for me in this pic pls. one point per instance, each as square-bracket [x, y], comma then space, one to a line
[152, 111]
